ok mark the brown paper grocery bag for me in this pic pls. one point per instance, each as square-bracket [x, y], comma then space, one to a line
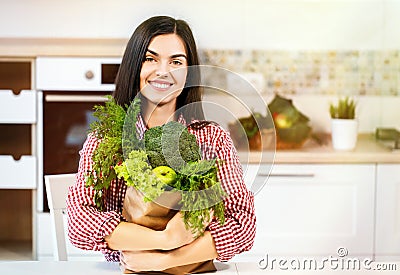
[195, 268]
[156, 215]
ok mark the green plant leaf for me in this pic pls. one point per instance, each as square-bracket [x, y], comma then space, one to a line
[344, 109]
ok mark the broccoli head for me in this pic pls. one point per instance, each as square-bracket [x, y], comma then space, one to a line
[171, 145]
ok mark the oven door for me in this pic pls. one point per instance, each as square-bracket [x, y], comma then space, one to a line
[67, 117]
[71, 87]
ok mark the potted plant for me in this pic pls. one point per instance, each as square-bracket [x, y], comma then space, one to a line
[344, 124]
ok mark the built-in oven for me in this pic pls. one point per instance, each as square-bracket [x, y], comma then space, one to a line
[71, 87]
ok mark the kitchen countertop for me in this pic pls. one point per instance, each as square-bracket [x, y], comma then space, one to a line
[367, 150]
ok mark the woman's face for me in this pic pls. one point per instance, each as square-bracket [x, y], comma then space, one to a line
[164, 69]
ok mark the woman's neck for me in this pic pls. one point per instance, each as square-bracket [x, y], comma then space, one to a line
[157, 114]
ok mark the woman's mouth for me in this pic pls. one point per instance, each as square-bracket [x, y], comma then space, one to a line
[160, 85]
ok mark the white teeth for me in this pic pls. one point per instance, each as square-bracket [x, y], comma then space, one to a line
[160, 85]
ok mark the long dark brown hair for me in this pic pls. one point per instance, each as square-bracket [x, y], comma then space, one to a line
[128, 77]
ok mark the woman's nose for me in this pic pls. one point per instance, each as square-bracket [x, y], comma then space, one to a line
[162, 69]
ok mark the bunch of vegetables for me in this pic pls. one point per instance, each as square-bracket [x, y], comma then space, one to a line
[168, 158]
[290, 124]
[246, 130]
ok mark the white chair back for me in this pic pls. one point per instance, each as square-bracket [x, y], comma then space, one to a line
[57, 190]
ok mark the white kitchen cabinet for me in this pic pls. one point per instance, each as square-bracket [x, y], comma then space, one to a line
[387, 240]
[19, 108]
[18, 112]
[19, 155]
[18, 125]
[313, 210]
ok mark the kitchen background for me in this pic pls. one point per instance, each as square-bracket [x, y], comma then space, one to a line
[295, 47]
[311, 51]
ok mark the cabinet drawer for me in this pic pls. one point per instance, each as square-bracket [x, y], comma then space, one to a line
[18, 174]
[312, 172]
[313, 209]
[257, 177]
[18, 108]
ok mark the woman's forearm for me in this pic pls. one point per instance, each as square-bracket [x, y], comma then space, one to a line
[202, 249]
[131, 236]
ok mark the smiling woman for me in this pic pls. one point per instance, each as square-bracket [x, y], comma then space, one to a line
[157, 67]
[162, 77]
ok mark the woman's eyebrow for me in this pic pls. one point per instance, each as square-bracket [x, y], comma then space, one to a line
[178, 55]
[172, 56]
[153, 52]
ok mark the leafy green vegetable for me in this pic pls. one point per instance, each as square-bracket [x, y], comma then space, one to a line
[171, 145]
[122, 154]
[130, 138]
[137, 172]
[194, 176]
[108, 128]
[197, 176]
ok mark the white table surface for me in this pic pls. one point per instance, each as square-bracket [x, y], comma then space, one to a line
[107, 268]
[253, 268]
[81, 267]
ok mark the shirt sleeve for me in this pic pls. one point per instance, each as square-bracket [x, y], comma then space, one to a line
[87, 226]
[238, 232]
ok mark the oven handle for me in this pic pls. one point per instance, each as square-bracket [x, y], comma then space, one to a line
[75, 98]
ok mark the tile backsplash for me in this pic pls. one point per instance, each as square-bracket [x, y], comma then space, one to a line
[352, 72]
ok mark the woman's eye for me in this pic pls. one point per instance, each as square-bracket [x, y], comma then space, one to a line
[149, 59]
[177, 62]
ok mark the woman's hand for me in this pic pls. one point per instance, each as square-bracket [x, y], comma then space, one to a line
[146, 260]
[202, 249]
[176, 233]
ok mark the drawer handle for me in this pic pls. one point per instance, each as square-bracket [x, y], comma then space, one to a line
[286, 175]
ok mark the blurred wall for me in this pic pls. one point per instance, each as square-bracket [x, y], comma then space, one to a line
[251, 24]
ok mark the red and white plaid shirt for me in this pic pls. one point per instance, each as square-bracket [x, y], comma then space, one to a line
[87, 226]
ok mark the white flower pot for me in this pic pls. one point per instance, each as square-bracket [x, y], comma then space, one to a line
[344, 134]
